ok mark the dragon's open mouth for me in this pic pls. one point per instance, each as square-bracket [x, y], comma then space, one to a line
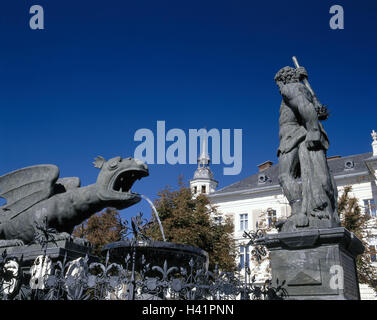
[125, 180]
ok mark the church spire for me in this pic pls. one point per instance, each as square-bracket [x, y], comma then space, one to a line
[203, 181]
[204, 159]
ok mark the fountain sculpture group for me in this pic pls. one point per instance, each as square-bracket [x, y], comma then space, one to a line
[311, 253]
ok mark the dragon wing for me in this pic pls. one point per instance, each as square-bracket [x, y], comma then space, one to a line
[25, 187]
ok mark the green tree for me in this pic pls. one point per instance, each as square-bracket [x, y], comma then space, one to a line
[100, 229]
[354, 220]
[187, 220]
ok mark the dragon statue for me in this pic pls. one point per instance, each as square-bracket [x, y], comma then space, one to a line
[35, 194]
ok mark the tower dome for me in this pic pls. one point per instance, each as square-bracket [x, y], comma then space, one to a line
[203, 173]
[203, 181]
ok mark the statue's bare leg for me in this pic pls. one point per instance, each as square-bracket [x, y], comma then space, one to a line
[289, 167]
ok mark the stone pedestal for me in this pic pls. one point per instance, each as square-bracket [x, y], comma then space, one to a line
[315, 263]
[27, 255]
[34, 263]
[54, 251]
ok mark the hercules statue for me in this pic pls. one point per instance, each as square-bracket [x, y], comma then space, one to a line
[303, 170]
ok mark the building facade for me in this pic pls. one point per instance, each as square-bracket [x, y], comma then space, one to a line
[256, 201]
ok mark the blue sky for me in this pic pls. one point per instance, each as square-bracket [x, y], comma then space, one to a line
[101, 70]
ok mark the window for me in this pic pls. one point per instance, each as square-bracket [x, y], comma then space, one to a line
[271, 217]
[244, 221]
[373, 256]
[370, 207]
[244, 256]
[203, 189]
[218, 220]
[195, 190]
[373, 249]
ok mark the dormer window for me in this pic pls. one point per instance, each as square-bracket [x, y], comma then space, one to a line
[349, 164]
[262, 178]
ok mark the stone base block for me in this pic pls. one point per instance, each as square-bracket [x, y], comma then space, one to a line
[31, 267]
[54, 251]
[316, 263]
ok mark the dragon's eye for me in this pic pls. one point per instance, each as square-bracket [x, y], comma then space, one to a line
[113, 164]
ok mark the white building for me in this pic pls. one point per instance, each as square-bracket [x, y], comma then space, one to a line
[259, 198]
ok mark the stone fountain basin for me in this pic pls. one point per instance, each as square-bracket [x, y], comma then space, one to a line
[155, 253]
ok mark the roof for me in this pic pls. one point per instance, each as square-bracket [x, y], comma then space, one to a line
[203, 173]
[269, 177]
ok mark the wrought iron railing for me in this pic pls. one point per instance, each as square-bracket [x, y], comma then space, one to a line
[80, 279]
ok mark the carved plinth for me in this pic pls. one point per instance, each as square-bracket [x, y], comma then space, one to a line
[54, 251]
[31, 264]
[316, 264]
